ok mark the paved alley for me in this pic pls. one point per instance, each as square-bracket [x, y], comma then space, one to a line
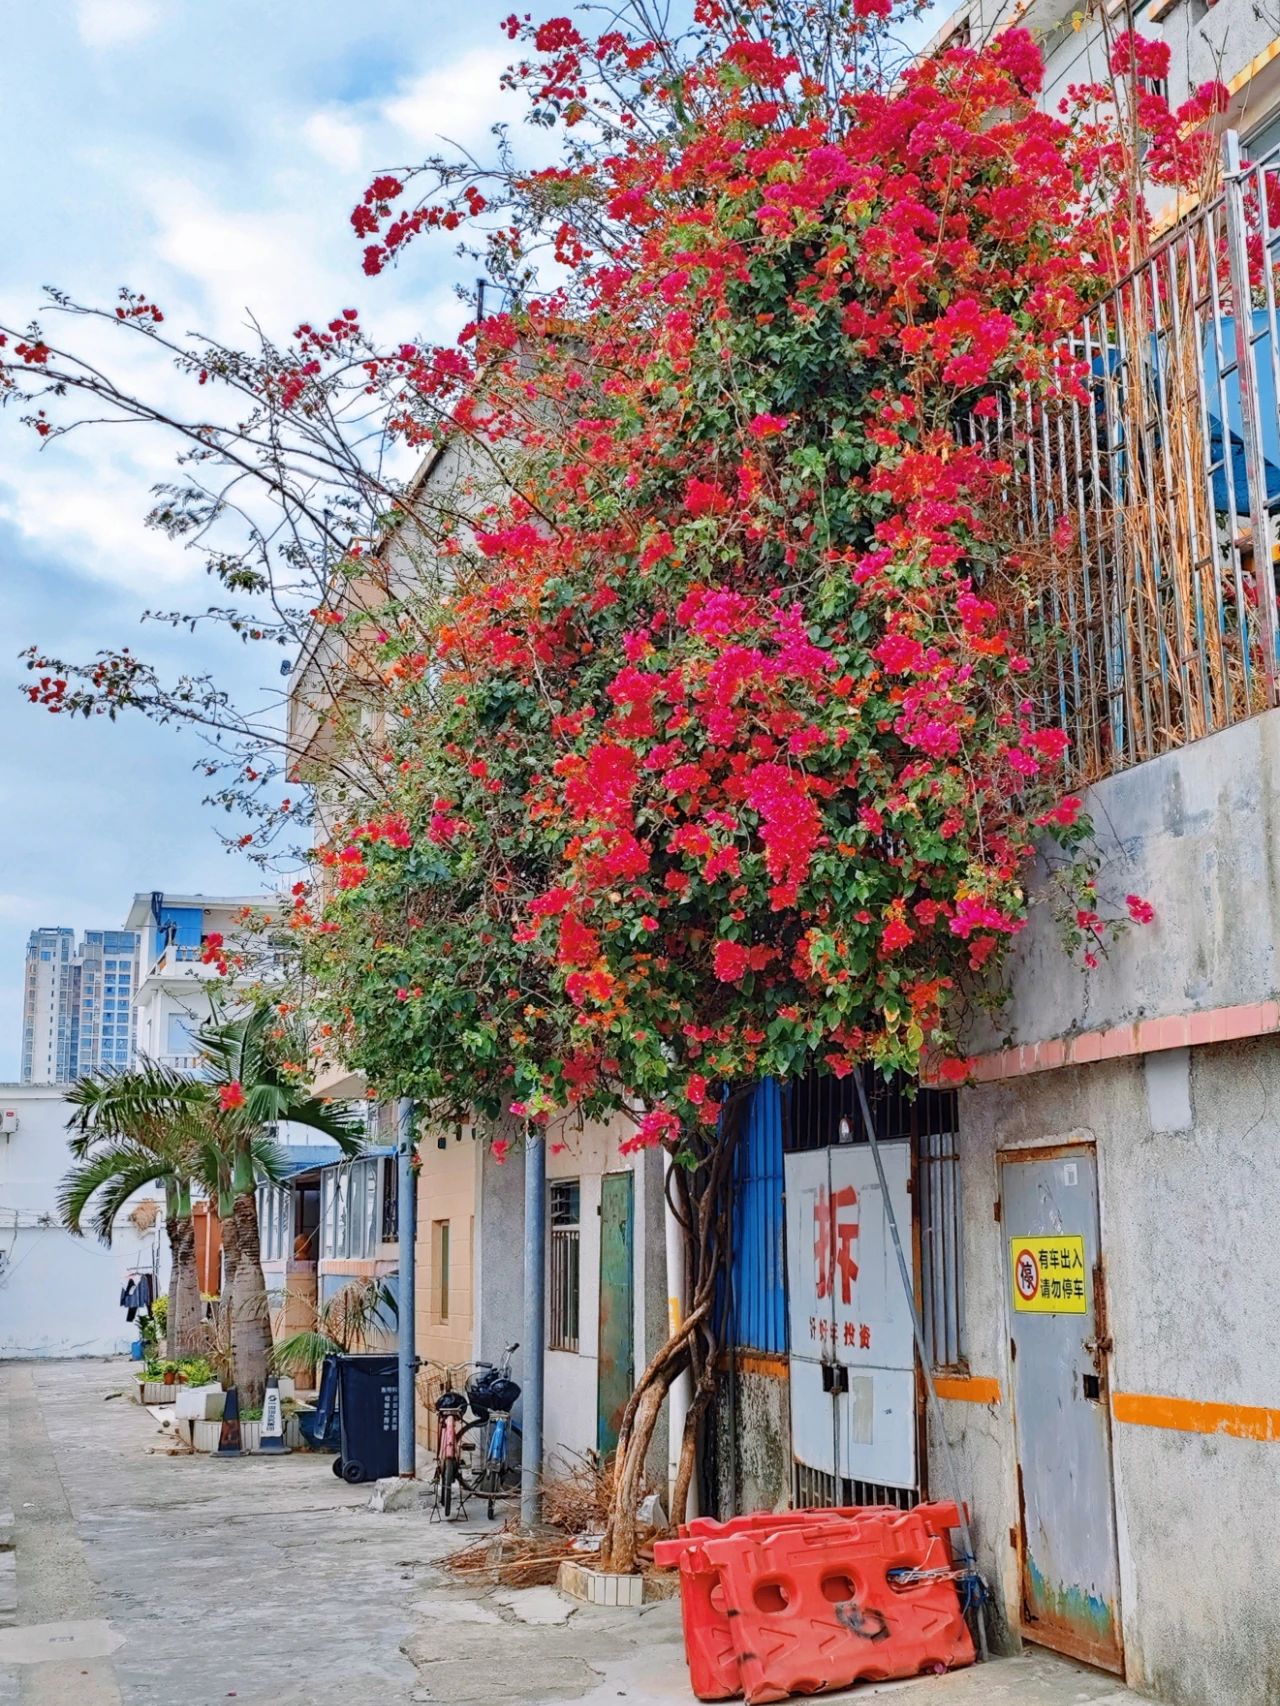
[134, 1579]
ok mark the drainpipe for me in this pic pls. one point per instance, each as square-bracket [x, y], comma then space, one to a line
[681, 1394]
[535, 1332]
[407, 1227]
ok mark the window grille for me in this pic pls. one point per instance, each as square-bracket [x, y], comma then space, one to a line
[390, 1200]
[941, 1247]
[817, 1490]
[563, 1319]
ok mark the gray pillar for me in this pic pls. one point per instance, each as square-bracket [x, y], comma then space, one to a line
[535, 1332]
[407, 1228]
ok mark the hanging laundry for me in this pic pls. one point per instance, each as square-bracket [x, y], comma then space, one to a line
[139, 1293]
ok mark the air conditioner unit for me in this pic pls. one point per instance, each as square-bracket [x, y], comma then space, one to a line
[8, 1121]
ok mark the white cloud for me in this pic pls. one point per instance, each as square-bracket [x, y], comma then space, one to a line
[336, 138]
[90, 509]
[108, 23]
[455, 102]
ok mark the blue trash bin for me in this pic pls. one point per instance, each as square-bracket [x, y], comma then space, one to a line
[369, 1411]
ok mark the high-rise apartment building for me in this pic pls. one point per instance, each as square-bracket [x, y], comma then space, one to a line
[77, 1012]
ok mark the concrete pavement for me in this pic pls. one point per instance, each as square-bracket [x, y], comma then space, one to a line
[144, 1580]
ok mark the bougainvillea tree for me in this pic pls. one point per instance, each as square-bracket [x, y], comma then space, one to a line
[713, 750]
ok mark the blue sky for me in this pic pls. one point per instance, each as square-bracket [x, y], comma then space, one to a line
[211, 155]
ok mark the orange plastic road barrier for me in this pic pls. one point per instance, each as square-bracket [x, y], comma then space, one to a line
[712, 1657]
[941, 1517]
[811, 1609]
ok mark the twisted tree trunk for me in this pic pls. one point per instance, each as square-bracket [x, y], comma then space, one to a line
[246, 1295]
[704, 1191]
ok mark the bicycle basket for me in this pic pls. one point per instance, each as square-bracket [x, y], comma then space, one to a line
[491, 1391]
[451, 1403]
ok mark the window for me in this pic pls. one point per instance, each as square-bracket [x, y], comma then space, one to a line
[566, 1200]
[390, 1199]
[349, 1209]
[275, 1222]
[440, 1270]
[941, 1246]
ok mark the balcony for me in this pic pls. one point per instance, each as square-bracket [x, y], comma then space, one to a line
[193, 1064]
[1145, 497]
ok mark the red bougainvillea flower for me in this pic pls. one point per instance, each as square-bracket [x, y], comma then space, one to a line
[231, 1096]
[1141, 911]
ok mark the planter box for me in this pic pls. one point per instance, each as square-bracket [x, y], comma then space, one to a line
[205, 1437]
[199, 1403]
[598, 1587]
[154, 1392]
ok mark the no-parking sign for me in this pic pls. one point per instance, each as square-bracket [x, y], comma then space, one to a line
[1048, 1276]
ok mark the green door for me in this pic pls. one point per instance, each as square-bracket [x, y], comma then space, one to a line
[617, 1360]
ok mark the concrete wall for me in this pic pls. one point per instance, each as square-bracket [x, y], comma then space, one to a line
[60, 1295]
[571, 1377]
[1197, 833]
[753, 1436]
[1188, 1147]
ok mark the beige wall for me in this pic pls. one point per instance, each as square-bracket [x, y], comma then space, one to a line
[444, 1307]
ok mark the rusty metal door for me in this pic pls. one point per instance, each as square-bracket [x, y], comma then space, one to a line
[617, 1307]
[1058, 1351]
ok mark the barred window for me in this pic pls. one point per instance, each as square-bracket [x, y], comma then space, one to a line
[942, 1245]
[563, 1317]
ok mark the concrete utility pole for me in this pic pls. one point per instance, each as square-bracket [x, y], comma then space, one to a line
[535, 1334]
[407, 1230]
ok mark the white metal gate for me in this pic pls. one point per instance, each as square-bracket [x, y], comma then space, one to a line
[853, 1405]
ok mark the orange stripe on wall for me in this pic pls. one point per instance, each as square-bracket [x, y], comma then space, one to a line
[1189, 1415]
[968, 1388]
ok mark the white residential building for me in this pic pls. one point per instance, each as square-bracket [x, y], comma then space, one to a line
[60, 1295]
[176, 980]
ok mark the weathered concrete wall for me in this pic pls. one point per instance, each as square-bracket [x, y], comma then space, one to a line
[60, 1295]
[753, 1441]
[1197, 833]
[1188, 1148]
[571, 1377]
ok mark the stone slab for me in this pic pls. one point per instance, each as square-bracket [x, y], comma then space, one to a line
[58, 1643]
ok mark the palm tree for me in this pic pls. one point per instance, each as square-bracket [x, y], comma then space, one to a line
[217, 1131]
[151, 1126]
[256, 1084]
[130, 1130]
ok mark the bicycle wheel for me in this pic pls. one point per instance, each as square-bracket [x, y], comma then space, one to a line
[448, 1474]
[490, 1480]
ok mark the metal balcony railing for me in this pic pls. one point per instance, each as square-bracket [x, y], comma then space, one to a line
[1146, 489]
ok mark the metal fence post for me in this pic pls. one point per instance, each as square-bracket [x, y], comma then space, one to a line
[406, 1231]
[535, 1332]
[1235, 176]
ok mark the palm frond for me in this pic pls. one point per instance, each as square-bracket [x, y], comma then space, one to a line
[111, 1175]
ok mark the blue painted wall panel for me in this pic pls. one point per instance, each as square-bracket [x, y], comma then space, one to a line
[759, 1272]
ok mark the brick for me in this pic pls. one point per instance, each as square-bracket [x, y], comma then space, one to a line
[1175, 1032]
[1086, 1048]
[1200, 1028]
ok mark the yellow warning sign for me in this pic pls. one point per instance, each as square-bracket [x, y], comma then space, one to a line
[1049, 1275]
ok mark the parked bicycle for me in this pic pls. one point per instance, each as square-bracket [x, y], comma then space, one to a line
[495, 1466]
[451, 1408]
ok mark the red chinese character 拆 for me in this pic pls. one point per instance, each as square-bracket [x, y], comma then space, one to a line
[834, 1233]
